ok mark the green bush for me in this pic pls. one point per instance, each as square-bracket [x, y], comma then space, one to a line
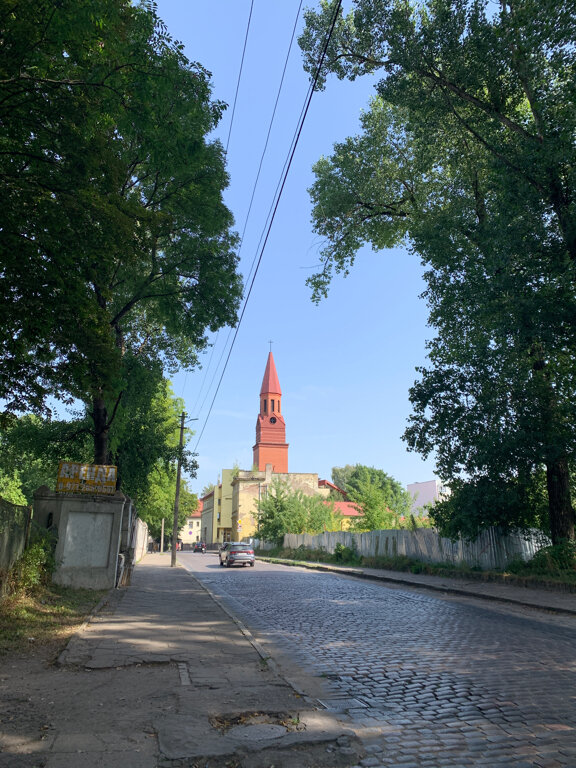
[558, 559]
[36, 564]
[343, 554]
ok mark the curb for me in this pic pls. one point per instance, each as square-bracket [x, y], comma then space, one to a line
[359, 574]
[254, 643]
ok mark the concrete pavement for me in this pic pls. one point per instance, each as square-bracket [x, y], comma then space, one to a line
[163, 676]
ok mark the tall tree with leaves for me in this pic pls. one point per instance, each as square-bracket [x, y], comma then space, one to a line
[468, 154]
[114, 238]
[284, 510]
[380, 498]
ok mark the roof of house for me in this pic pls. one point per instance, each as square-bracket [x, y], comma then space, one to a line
[347, 509]
[328, 484]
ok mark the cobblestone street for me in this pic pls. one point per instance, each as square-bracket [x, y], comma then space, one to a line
[427, 681]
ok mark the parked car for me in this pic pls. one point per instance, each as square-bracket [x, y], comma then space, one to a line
[236, 553]
[199, 546]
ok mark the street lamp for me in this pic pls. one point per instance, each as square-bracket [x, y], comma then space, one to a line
[177, 497]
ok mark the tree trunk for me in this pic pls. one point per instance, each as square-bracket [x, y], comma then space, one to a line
[559, 501]
[101, 427]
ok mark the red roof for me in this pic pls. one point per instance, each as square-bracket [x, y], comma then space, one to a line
[328, 484]
[346, 509]
[270, 383]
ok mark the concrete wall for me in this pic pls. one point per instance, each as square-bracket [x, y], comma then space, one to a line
[490, 551]
[89, 533]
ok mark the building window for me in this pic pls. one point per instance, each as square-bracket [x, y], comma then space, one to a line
[265, 406]
[272, 401]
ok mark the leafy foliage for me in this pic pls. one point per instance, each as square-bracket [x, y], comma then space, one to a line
[283, 511]
[380, 498]
[115, 241]
[467, 155]
[145, 446]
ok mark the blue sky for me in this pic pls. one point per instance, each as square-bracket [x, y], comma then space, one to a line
[345, 365]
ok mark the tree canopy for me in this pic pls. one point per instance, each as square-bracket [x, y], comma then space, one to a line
[381, 499]
[467, 155]
[114, 239]
[284, 510]
[145, 448]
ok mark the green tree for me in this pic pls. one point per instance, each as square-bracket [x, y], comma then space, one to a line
[114, 240]
[11, 488]
[341, 475]
[284, 510]
[146, 441]
[468, 155]
[380, 498]
[157, 502]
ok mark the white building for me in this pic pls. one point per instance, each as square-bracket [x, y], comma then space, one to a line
[425, 493]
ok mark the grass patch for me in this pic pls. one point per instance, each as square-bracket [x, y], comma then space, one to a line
[47, 615]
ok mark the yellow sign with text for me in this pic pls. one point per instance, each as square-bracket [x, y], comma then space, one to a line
[86, 478]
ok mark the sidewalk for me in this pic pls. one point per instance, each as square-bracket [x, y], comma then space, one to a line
[163, 677]
[556, 600]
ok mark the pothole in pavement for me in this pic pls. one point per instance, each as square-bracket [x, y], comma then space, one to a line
[261, 725]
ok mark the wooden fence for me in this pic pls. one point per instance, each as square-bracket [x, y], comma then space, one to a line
[491, 550]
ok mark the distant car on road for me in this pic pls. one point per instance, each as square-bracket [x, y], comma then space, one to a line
[199, 546]
[236, 553]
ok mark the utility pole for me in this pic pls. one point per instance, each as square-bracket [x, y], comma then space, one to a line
[177, 498]
[162, 538]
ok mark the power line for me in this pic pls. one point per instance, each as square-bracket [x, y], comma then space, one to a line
[254, 187]
[239, 75]
[205, 378]
[276, 202]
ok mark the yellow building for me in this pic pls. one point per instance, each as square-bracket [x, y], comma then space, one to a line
[217, 511]
[248, 488]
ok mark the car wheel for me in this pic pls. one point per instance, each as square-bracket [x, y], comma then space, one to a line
[228, 564]
[251, 565]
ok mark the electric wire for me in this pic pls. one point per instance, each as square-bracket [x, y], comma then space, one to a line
[239, 75]
[254, 187]
[276, 203]
[205, 378]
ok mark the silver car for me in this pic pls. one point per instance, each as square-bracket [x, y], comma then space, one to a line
[236, 553]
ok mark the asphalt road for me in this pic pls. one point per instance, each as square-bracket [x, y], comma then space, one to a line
[432, 682]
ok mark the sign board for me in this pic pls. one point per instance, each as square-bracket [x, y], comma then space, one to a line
[86, 478]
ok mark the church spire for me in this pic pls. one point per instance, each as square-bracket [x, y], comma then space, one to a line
[271, 446]
[270, 383]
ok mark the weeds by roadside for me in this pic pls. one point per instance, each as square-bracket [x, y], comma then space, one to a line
[33, 611]
[47, 615]
[553, 566]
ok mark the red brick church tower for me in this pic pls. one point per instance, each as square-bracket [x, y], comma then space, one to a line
[271, 446]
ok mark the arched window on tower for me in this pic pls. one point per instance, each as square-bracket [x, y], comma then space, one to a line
[272, 408]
